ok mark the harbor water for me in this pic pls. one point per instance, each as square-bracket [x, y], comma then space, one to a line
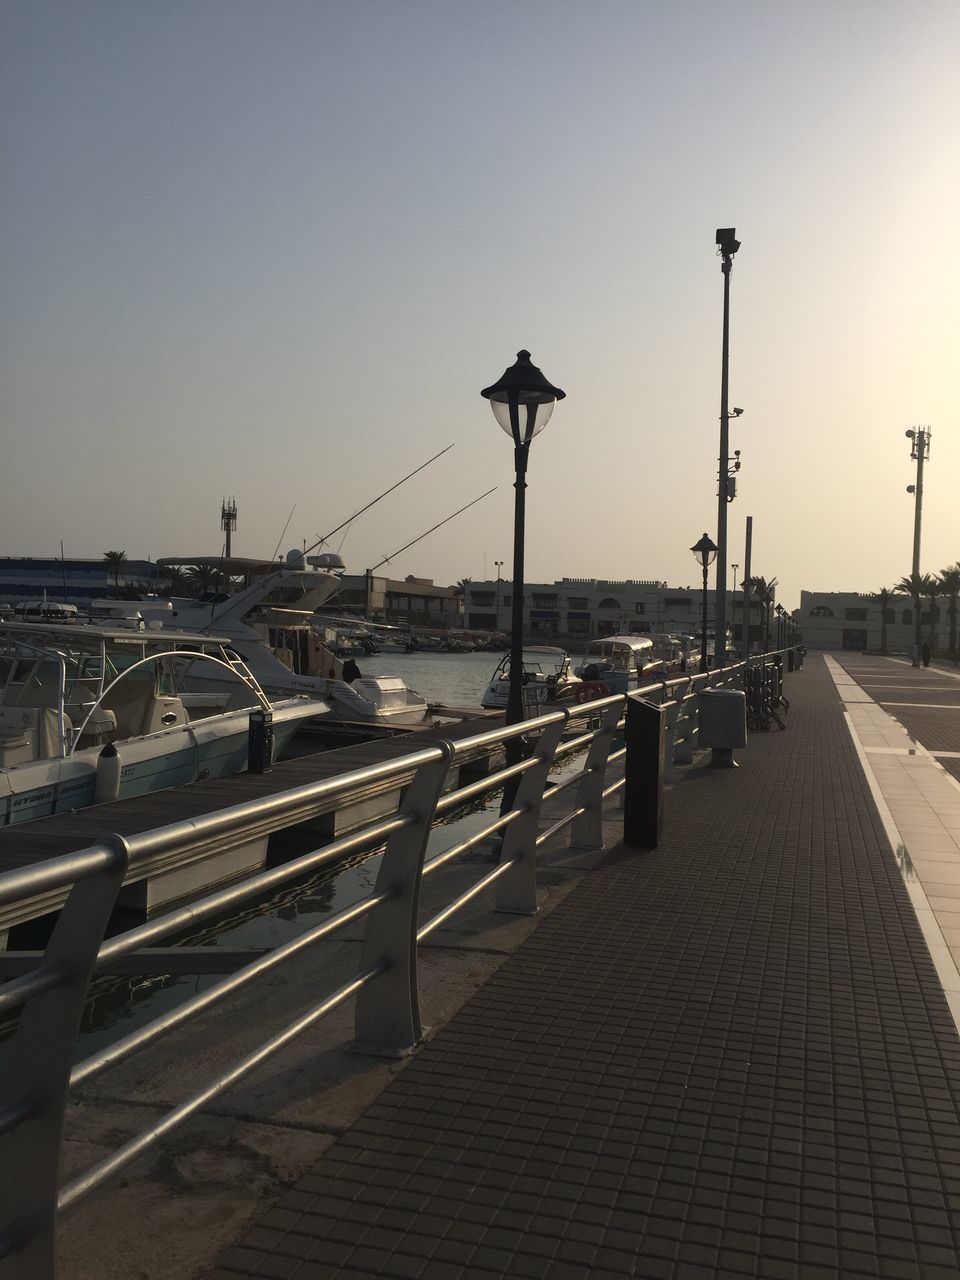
[119, 1005]
[454, 679]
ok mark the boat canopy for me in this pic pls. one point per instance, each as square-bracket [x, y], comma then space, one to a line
[609, 645]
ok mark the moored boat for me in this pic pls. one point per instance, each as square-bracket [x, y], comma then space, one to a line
[92, 713]
[547, 676]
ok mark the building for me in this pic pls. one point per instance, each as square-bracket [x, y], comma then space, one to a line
[853, 620]
[27, 578]
[590, 608]
[415, 601]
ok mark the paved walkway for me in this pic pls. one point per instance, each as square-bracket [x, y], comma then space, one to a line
[730, 1057]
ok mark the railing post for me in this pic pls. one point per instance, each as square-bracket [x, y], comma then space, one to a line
[682, 752]
[587, 830]
[38, 1074]
[672, 712]
[643, 788]
[517, 888]
[387, 1020]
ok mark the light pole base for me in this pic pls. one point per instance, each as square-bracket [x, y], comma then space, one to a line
[722, 758]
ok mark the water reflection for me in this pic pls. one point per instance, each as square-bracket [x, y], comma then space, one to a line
[118, 1005]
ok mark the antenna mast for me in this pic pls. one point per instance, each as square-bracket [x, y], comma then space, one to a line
[228, 521]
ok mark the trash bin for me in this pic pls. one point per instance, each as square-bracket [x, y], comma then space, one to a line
[722, 723]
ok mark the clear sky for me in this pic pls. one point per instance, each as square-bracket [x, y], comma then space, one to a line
[275, 248]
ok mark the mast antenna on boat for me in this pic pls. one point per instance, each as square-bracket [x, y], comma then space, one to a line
[432, 529]
[321, 540]
[283, 531]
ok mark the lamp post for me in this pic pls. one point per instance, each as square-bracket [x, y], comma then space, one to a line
[704, 552]
[522, 402]
[498, 565]
[780, 611]
[919, 451]
[728, 245]
[733, 605]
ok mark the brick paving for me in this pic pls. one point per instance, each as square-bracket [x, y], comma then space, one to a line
[727, 1058]
[936, 723]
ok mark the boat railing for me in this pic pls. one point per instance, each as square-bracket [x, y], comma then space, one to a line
[591, 741]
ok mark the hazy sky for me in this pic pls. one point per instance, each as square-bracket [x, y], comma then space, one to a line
[276, 248]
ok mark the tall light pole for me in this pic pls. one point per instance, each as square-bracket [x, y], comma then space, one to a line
[498, 565]
[522, 402]
[704, 552]
[728, 244]
[920, 451]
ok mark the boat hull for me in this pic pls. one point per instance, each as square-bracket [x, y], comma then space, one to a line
[211, 748]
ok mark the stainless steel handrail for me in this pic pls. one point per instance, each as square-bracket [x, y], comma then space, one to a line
[385, 1019]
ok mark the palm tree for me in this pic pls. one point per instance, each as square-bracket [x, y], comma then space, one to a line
[932, 590]
[115, 560]
[763, 592]
[884, 595]
[913, 586]
[950, 587]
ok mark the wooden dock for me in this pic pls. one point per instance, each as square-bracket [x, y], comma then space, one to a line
[154, 882]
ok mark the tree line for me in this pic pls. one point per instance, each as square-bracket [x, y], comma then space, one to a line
[190, 582]
[944, 585]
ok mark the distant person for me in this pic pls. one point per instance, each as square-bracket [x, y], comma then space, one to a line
[925, 653]
[915, 654]
[351, 671]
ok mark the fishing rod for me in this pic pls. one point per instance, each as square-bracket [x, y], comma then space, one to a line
[320, 541]
[283, 531]
[386, 559]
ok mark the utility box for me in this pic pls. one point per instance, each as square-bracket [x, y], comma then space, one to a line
[722, 723]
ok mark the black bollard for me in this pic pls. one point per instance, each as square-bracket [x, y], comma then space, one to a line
[260, 743]
[645, 737]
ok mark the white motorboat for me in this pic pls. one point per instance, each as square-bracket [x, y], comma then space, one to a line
[620, 663]
[286, 648]
[547, 677]
[91, 713]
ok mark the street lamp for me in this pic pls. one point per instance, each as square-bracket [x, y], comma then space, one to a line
[522, 402]
[920, 452]
[780, 611]
[704, 552]
[498, 565]
[728, 244]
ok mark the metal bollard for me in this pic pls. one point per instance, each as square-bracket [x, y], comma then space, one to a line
[260, 742]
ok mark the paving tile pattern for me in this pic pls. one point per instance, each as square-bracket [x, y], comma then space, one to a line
[938, 728]
[727, 1058]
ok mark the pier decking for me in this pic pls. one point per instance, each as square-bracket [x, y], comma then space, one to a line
[28, 843]
[728, 1057]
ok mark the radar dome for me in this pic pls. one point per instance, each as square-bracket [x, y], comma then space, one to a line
[296, 559]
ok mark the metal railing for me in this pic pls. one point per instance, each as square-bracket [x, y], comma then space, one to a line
[51, 994]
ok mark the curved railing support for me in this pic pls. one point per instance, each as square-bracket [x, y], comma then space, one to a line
[517, 888]
[587, 830]
[387, 1019]
[38, 1073]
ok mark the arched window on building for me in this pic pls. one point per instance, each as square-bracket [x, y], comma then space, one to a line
[821, 611]
[609, 603]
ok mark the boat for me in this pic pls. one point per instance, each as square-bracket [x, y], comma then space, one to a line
[287, 649]
[548, 676]
[616, 664]
[92, 713]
